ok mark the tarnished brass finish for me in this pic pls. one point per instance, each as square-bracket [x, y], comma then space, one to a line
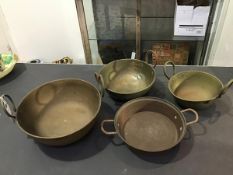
[195, 89]
[150, 124]
[57, 113]
[126, 79]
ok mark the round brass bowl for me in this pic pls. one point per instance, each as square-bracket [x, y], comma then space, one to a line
[196, 89]
[56, 113]
[126, 79]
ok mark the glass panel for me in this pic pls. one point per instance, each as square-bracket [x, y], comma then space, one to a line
[181, 52]
[111, 19]
[117, 8]
[157, 32]
[114, 28]
[111, 50]
[157, 28]
[162, 29]
[158, 8]
[111, 27]
[90, 21]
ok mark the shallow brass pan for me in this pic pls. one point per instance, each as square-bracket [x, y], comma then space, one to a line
[149, 124]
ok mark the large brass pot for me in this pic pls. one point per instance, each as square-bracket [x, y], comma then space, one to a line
[195, 89]
[126, 79]
[56, 113]
[150, 124]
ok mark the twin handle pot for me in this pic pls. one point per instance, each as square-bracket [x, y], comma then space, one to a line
[195, 89]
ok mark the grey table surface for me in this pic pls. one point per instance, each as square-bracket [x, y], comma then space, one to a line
[206, 149]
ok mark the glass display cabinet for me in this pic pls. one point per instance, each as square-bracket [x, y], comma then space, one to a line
[117, 29]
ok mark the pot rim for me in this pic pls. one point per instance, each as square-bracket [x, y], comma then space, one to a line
[195, 71]
[136, 60]
[57, 80]
[165, 102]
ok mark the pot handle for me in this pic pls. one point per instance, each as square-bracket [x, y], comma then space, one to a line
[6, 107]
[100, 81]
[227, 86]
[195, 113]
[107, 132]
[165, 69]
[147, 59]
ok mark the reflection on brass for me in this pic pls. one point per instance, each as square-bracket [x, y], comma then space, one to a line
[150, 124]
[59, 112]
[195, 89]
[127, 79]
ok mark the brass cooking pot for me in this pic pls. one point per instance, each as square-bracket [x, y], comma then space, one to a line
[126, 79]
[56, 113]
[150, 124]
[195, 89]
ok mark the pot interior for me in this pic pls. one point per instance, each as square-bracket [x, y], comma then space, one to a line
[127, 76]
[195, 86]
[150, 124]
[58, 108]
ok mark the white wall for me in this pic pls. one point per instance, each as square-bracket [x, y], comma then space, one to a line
[4, 47]
[221, 53]
[45, 29]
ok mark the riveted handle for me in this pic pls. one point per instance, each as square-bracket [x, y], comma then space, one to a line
[196, 116]
[107, 132]
[6, 107]
[226, 87]
[100, 81]
[165, 69]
